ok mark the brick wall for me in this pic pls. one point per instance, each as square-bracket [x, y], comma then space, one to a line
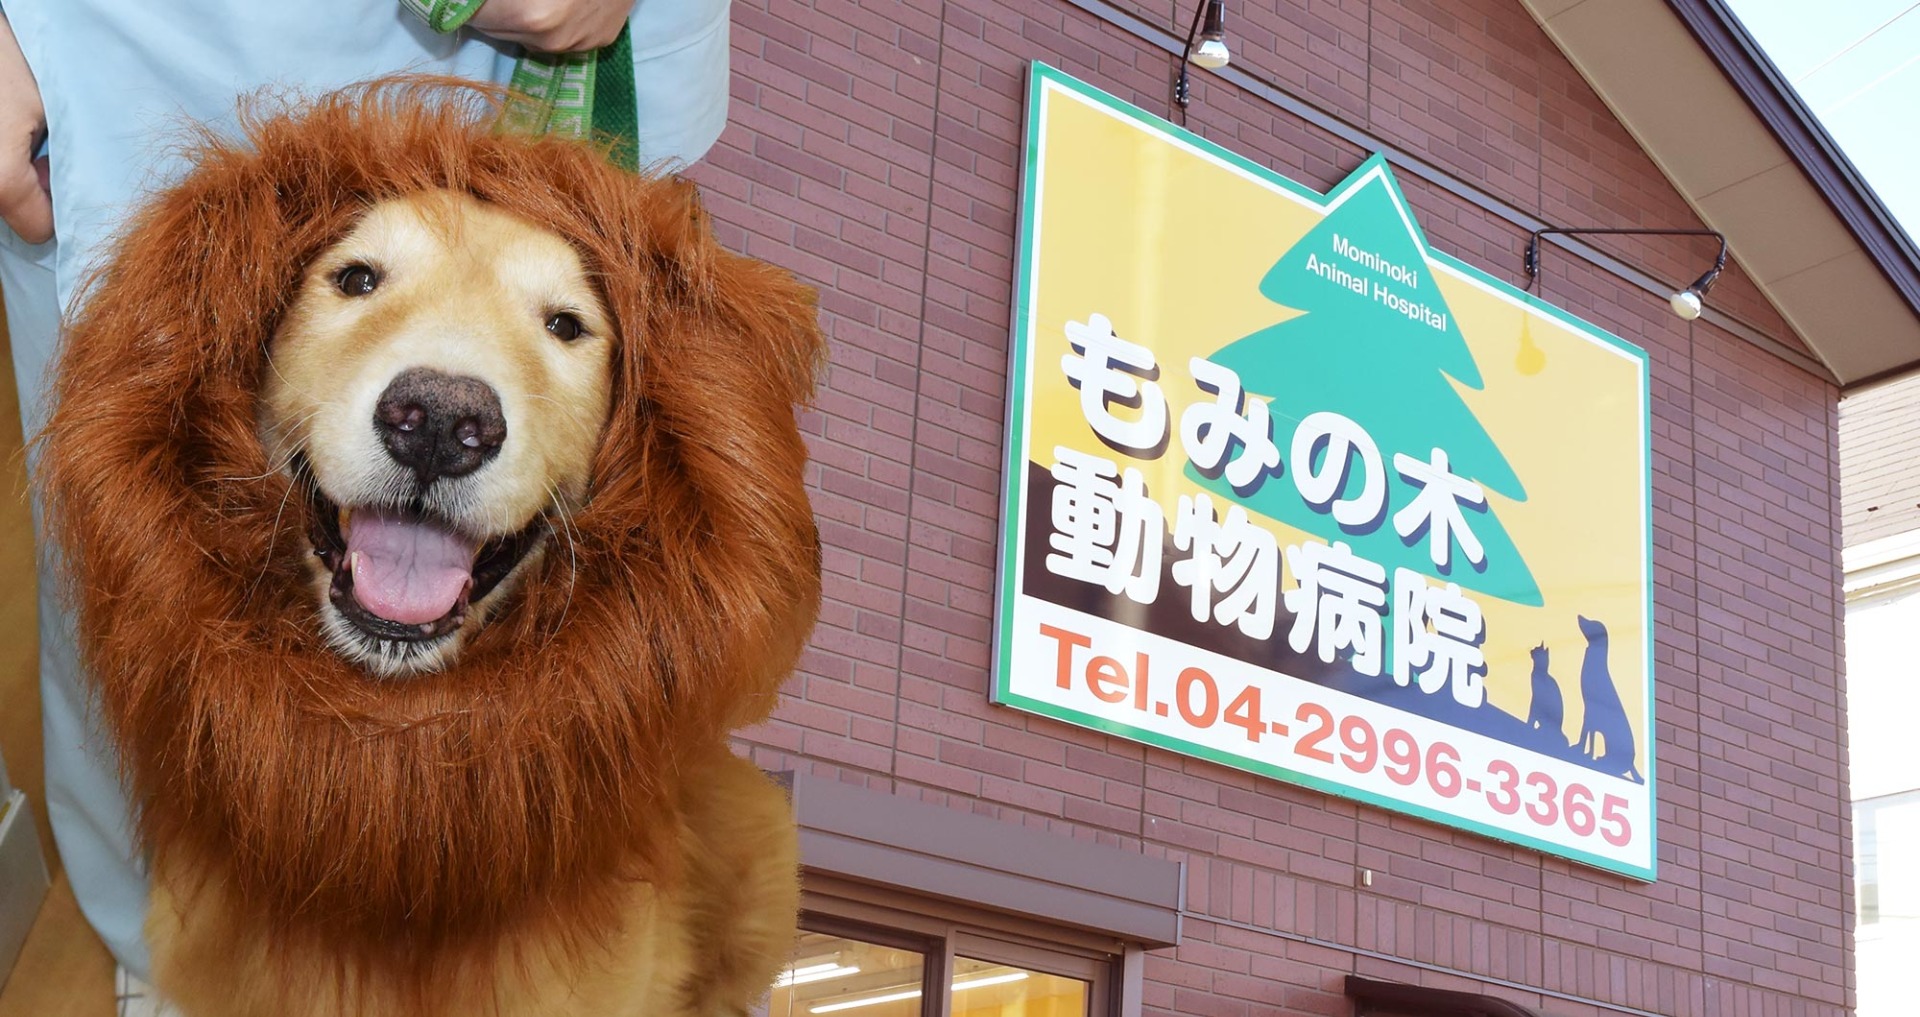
[874, 150]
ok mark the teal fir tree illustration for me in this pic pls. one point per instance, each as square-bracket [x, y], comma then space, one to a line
[1376, 344]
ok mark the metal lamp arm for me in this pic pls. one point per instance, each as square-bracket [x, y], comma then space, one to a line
[1532, 262]
[1181, 86]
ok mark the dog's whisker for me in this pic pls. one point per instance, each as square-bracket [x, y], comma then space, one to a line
[273, 540]
[565, 513]
[282, 462]
[275, 367]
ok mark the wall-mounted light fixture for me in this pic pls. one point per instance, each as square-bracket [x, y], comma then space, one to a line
[1210, 29]
[1685, 303]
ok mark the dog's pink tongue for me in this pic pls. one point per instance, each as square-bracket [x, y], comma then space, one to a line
[406, 570]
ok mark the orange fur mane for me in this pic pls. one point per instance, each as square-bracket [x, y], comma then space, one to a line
[395, 821]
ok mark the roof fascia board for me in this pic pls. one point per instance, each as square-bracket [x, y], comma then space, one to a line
[1778, 106]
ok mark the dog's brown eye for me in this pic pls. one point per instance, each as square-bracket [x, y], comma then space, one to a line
[357, 280]
[566, 326]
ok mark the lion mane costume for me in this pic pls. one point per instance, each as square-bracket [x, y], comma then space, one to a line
[553, 824]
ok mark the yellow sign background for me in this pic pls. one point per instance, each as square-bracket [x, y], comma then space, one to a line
[1180, 274]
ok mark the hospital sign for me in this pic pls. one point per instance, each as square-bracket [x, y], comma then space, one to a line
[1291, 491]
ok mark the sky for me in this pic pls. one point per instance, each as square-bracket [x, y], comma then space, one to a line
[1856, 63]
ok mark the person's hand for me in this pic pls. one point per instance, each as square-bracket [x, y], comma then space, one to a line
[553, 26]
[25, 202]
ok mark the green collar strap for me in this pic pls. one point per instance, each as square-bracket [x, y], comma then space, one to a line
[573, 95]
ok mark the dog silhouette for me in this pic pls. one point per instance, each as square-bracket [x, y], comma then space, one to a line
[1605, 736]
[1547, 712]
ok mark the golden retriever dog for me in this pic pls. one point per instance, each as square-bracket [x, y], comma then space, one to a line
[433, 504]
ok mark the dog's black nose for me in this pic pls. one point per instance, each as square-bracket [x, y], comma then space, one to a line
[439, 425]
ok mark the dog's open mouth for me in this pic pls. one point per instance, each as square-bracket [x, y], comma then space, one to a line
[406, 575]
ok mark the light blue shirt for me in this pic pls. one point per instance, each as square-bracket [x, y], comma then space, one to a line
[121, 77]
[121, 80]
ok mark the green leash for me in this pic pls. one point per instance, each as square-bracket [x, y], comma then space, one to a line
[571, 95]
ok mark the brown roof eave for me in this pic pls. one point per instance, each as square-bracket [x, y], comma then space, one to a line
[1777, 105]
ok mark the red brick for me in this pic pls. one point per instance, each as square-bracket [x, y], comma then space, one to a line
[838, 166]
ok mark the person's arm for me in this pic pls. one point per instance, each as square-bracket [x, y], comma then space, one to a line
[25, 202]
[552, 26]
[546, 26]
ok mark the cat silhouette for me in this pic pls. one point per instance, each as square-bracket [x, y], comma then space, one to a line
[1605, 736]
[1547, 712]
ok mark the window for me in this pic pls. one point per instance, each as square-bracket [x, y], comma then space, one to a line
[911, 909]
[1886, 833]
[985, 989]
[868, 952]
[839, 974]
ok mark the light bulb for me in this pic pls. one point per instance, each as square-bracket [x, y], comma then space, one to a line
[1211, 54]
[1686, 304]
